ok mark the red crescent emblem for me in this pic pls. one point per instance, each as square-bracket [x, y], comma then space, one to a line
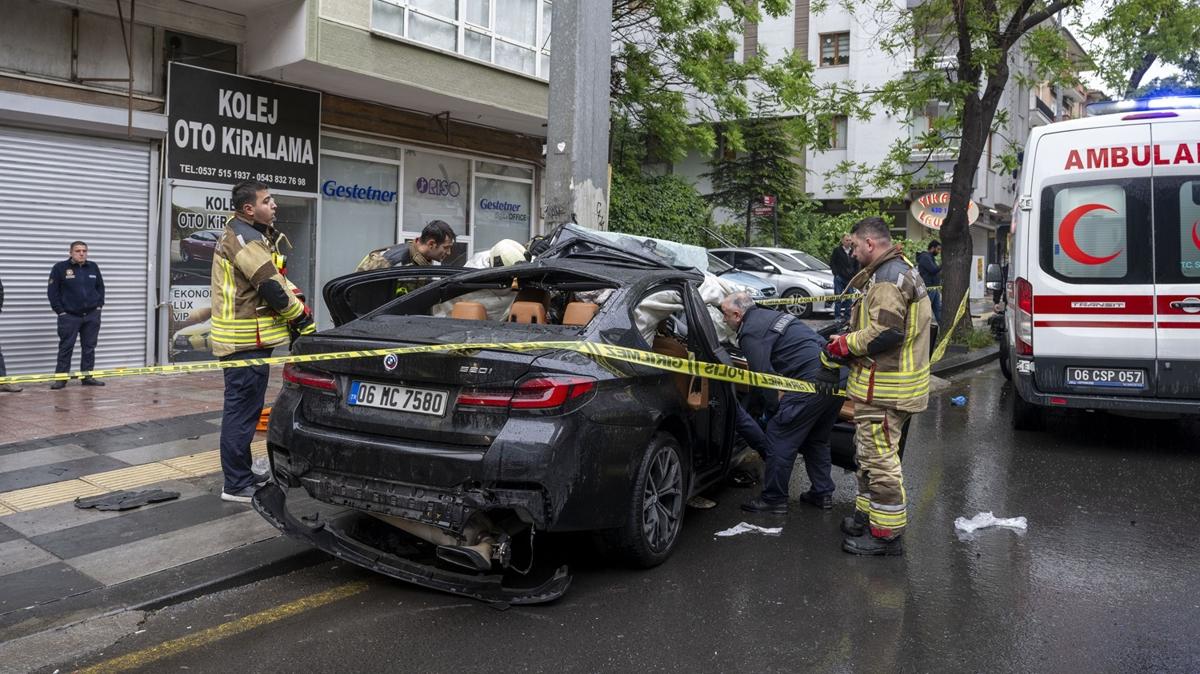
[1195, 235]
[1066, 235]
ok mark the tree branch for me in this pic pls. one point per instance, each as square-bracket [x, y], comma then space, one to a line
[1135, 78]
[1044, 13]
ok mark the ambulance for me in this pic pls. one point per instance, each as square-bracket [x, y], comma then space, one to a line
[1103, 287]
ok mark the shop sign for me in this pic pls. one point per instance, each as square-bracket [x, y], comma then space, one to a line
[225, 128]
[930, 209]
[438, 187]
[503, 210]
[331, 189]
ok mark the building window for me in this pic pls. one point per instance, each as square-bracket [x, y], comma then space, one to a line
[925, 120]
[512, 34]
[838, 130]
[835, 49]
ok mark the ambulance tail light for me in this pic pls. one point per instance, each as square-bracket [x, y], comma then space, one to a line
[1024, 331]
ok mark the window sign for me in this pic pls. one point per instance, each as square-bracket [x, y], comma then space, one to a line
[1189, 229]
[501, 211]
[358, 212]
[1089, 232]
[436, 187]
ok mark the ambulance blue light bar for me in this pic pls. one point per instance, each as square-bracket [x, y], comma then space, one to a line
[1144, 105]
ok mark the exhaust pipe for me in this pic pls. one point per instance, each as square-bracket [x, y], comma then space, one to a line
[452, 550]
[475, 557]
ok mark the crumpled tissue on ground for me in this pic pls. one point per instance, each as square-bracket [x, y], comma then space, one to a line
[745, 527]
[987, 519]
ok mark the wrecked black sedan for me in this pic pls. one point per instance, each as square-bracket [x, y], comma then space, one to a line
[449, 465]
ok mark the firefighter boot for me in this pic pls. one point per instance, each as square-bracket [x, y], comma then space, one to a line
[874, 542]
[854, 526]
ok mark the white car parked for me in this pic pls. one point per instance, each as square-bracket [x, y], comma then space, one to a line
[790, 276]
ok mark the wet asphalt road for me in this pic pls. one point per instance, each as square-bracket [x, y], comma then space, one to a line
[1105, 579]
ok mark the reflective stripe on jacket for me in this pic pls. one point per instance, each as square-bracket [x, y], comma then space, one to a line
[241, 319]
[890, 341]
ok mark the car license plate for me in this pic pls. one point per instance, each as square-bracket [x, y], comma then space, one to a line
[1106, 377]
[403, 398]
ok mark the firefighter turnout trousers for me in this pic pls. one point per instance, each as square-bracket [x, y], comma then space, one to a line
[880, 483]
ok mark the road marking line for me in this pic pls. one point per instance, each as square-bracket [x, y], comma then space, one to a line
[213, 634]
[44, 495]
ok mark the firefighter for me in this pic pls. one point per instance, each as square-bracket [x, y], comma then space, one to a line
[888, 349]
[255, 308]
[432, 247]
[777, 343]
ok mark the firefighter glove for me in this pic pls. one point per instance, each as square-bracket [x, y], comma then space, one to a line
[838, 347]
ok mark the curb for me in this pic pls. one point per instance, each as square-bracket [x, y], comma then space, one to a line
[227, 570]
[966, 361]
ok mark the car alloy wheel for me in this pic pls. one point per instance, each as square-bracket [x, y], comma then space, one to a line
[799, 310]
[662, 500]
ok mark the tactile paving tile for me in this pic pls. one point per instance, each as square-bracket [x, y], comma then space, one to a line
[195, 465]
[135, 476]
[45, 495]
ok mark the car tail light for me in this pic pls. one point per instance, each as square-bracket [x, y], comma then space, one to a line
[547, 392]
[318, 380]
[536, 393]
[1024, 323]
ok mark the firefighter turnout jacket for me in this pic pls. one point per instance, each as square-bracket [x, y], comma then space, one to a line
[254, 306]
[890, 338]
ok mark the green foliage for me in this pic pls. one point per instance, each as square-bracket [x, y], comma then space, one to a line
[973, 338]
[671, 68]
[764, 166]
[1131, 35]
[663, 207]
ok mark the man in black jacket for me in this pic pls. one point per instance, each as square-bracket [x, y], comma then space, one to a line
[844, 268]
[5, 388]
[777, 343]
[931, 273]
[76, 294]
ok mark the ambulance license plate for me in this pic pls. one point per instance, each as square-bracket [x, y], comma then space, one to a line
[1106, 377]
[402, 398]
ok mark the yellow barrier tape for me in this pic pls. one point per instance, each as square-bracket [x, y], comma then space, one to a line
[789, 301]
[659, 361]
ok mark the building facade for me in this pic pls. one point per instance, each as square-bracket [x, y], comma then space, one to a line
[844, 48]
[417, 110]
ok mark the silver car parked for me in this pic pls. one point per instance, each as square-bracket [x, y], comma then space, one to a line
[790, 276]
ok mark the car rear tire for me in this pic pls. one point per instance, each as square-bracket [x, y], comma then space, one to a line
[1026, 416]
[1005, 363]
[656, 507]
[798, 310]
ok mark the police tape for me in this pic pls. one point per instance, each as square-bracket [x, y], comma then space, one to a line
[811, 299]
[689, 366]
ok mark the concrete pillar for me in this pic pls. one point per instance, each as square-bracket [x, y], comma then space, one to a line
[577, 129]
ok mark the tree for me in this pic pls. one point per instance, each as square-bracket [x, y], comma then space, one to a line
[982, 39]
[673, 77]
[1130, 36]
[765, 166]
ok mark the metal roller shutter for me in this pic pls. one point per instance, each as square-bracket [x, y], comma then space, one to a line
[54, 189]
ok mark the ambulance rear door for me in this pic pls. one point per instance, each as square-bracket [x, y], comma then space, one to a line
[1092, 275]
[1177, 254]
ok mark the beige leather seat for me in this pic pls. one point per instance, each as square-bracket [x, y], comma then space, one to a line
[472, 311]
[580, 313]
[527, 312]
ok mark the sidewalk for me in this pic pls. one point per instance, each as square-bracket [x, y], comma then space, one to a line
[59, 563]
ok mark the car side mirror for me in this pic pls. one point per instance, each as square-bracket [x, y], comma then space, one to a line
[993, 276]
[770, 269]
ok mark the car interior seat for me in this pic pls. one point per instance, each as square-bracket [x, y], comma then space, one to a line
[527, 312]
[472, 311]
[580, 313]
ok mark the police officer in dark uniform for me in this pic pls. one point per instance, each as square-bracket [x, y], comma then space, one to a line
[777, 343]
[76, 293]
